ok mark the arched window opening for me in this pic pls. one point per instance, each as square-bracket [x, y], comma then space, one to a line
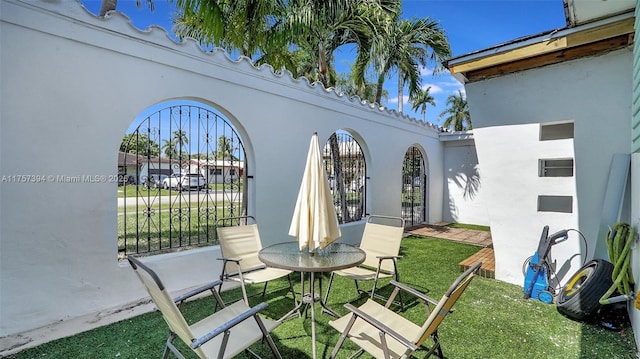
[414, 185]
[180, 169]
[347, 170]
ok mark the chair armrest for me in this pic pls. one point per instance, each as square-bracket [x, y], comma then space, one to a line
[381, 326]
[388, 257]
[414, 292]
[228, 325]
[224, 273]
[198, 290]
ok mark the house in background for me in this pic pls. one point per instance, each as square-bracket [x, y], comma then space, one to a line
[136, 169]
[557, 134]
[216, 171]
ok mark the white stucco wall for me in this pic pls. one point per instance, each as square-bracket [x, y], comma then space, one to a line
[464, 198]
[507, 111]
[71, 85]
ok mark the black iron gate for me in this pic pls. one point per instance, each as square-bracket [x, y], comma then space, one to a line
[347, 170]
[181, 169]
[414, 185]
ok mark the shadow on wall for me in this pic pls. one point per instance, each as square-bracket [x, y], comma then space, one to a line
[469, 181]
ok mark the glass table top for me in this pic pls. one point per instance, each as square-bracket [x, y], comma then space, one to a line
[288, 255]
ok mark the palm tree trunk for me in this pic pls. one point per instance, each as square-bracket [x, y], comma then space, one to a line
[400, 96]
[106, 6]
[322, 65]
[339, 183]
[379, 89]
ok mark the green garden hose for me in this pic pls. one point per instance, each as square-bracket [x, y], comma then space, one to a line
[619, 240]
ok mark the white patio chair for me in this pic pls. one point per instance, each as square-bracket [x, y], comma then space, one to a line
[223, 334]
[384, 333]
[240, 245]
[381, 243]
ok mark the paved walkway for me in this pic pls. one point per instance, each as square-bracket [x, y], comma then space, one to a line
[469, 236]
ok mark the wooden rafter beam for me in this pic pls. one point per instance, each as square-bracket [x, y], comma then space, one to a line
[550, 58]
[577, 44]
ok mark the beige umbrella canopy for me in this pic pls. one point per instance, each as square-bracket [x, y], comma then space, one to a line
[314, 222]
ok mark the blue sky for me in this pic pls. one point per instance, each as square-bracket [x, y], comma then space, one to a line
[470, 25]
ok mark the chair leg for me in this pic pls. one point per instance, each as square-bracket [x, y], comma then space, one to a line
[170, 347]
[397, 277]
[358, 290]
[439, 347]
[264, 290]
[215, 308]
[326, 296]
[436, 348]
[343, 336]
[267, 336]
[293, 292]
[165, 354]
[375, 285]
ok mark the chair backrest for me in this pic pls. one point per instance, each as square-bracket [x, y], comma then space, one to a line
[381, 237]
[161, 298]
[242, 242]
[445, 304]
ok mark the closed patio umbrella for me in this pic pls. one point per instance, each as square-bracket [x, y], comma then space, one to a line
[314, 222]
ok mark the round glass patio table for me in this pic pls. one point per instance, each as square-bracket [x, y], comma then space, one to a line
[335, 256]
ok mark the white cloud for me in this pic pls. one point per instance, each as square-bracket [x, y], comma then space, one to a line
[434, 88]
[405, 99]
[425, 71]
[452, 83]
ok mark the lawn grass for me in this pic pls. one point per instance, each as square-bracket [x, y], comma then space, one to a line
[491, 320]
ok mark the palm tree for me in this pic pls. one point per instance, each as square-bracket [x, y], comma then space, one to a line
[170, 149]
[301, 35]
[318, 28]
[245, 26]
[225, 149]
[405, 45]
[180, 138]
[457, 113]
[174, 147]
[421, 100]
[346, 83]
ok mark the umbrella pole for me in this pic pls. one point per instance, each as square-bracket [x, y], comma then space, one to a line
[313, 315]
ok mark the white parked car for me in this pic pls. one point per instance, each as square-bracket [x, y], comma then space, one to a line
[187, 181]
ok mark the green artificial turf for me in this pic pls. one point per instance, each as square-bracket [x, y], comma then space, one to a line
[491, 320]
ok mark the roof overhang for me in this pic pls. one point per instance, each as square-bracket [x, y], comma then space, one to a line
[545, 49]
[582, 11]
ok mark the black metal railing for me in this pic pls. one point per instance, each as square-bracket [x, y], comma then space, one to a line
[184, 167]
[414, 182]
[347, 170]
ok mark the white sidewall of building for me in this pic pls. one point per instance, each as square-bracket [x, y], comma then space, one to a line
[507, 111]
